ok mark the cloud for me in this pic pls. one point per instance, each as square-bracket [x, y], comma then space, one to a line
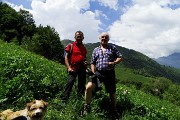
[66, 17]
[100, 14]
[150, 27]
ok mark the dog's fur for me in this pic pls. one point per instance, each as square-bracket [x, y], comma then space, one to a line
[34, 110]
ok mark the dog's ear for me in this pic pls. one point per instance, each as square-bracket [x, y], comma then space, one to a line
[45, 103]
[28, 105]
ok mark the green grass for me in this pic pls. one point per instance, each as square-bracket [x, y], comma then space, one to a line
[25, 76]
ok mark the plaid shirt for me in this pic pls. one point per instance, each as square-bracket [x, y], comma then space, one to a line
[101, 60]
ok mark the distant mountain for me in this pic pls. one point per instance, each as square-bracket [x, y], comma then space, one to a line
[172, 60]
[66, 41]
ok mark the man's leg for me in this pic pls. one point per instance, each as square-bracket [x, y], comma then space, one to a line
[88, 96]
[69, 85]
[113, 100]
[88, 92]
[113, 110]
[81, 80]
[111, 89]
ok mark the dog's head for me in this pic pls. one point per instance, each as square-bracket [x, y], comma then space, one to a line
[37, 109]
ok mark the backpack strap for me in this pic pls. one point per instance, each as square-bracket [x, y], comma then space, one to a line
[70, 52]
[71, 47]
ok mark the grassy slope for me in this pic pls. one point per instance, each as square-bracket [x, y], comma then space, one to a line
[20, 69]
[25, 76]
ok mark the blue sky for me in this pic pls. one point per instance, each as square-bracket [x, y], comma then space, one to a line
[151, 27]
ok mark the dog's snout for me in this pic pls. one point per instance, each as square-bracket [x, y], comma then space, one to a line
[38, 113]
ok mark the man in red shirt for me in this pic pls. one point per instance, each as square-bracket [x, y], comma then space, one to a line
[75, 61]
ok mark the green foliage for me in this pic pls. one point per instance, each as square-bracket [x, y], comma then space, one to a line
[27, 25]
[172, 94]
[15, 24]
[46, 42]
[9, 20]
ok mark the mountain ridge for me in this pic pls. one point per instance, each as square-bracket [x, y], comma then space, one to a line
[172, 60]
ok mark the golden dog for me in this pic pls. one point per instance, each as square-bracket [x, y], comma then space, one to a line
[34, 110]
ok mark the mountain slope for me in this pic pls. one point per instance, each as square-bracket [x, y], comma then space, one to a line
[172, 60]
[147, 66]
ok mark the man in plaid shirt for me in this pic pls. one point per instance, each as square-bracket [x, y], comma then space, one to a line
[104, 58]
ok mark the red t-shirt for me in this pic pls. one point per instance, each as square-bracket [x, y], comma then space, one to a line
[77, 56]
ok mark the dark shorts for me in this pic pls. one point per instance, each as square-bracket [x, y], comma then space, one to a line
[107, 78]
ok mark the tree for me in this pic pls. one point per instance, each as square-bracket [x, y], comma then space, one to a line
[46, 42]
[9, 20]
[27, 25]
[15, 24]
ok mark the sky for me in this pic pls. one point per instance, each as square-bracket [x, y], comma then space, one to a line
[151, 27]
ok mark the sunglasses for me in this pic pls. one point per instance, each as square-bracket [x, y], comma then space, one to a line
[106, 37]
[78, 37]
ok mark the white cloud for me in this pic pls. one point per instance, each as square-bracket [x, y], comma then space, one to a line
[99, 13]
[66, 17]
[149, 28]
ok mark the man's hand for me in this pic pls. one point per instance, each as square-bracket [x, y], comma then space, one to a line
[111, 64]
[85, 63]
[70, 69]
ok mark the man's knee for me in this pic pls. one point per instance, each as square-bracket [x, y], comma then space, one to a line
[89, 87]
